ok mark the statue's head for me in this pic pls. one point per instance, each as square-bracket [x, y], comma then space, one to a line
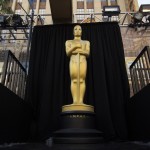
[77, 31]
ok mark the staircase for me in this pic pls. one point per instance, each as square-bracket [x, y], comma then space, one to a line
[13, 74]
[139, 104]
[140, 70]
[15, 112]
[16, 115]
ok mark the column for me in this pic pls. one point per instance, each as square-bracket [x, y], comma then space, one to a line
[85, 9]
[74, 6]
[37, 10]
[14, 5]
[26, 6]
[48, 19]
[136, 5]
[97, 9]
[109, 3]
[123, 7]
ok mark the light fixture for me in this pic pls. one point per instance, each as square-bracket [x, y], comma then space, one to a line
[16, 20]
[141, 18]
[111, 11]
[148, 18]
[1, 39]
[137, 17]
[1, 18]
[4, 20]
[136, 21]
[145, 9]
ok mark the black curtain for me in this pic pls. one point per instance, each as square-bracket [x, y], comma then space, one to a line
[107, 87]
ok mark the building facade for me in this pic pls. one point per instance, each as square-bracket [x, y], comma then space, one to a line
[42, 7]
[96, 6]
[82, 9]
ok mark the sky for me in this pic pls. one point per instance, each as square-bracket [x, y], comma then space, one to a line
[143, 2]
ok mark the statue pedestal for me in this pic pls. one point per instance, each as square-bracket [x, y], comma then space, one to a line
[77, 127]
[77, 107]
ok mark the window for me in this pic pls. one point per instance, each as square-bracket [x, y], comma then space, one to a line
[104, 3]
[115, 18]
[30, 12]
[80, 17]
[113, 2]
[89, 1]
[19, 1]
[80, 4]
[18, 11]
[41, 12]
[42, 0]
[91, 11]
[90, 4]
[80, 11]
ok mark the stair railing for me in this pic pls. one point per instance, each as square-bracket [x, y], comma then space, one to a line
[140, 70]
[13, 74]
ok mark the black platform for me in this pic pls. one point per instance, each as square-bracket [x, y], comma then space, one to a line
[139, 114]
[15, 117]
[103, 146]
[77, 127]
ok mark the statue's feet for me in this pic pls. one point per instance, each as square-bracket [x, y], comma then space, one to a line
[78, 103]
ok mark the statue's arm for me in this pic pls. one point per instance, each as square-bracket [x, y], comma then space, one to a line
[87, 48]
[70, 48]
[86, 52]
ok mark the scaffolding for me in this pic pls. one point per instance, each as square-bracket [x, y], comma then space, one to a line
[22, 32]
[25, 31]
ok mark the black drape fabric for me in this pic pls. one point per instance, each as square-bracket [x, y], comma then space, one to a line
[107, 87]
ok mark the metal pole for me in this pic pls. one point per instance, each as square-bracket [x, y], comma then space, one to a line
[24, 10]
[132, 80]
[29, 39]
[91, 17]
[4, 73]
[144, 69]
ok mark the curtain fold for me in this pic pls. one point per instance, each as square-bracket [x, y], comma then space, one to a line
[48, 86]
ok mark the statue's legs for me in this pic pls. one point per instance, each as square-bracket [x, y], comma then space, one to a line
[73, 76]
[83, 69]
[74, 80]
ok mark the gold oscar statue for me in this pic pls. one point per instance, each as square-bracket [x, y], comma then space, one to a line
[78, 50]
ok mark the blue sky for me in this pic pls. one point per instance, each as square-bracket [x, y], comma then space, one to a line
[143, 2]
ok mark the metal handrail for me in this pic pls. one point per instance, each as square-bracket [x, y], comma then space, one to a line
[140, 70]
[13, 74]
